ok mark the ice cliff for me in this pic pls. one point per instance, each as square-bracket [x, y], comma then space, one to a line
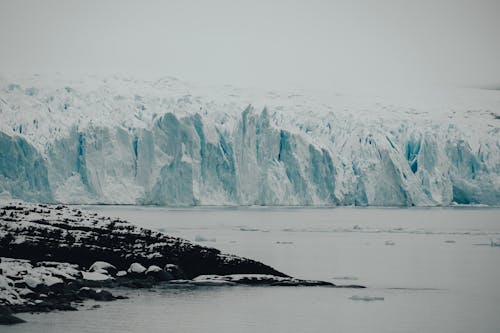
[166, 142]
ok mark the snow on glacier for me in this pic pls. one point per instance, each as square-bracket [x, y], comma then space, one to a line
[167, 142]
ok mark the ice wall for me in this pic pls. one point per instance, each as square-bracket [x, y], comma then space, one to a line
[23, 173]
[60, 145]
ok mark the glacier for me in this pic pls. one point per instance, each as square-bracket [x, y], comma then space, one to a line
[118, 140]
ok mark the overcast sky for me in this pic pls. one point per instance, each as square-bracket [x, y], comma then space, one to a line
[272, 44]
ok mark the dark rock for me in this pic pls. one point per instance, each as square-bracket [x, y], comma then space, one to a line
[351, 286]
[64, 307]
[315, 283]
[4, 310]
[10, 320]
[103, 295]
[137, 283]
[86, 292]
[159, 275]
[19, 284]
[97, 295]
[57, 287]
[288, 283]
[75, 285]
[176, 272]
[29, 294]
[41, 289]
[6, 317]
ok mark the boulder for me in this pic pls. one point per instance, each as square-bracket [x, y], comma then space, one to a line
[104, 296]
[121, 273]
[103, 267]
[98, 295]
[136, 270]
[174, 270]
[158, 274]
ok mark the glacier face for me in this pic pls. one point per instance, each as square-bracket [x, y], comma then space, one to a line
[165, 142]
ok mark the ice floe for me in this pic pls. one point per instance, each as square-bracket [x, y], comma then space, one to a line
[366, 298]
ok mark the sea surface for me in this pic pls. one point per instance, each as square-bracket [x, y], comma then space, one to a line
[425, 269]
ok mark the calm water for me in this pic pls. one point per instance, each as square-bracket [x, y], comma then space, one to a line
[433, 267]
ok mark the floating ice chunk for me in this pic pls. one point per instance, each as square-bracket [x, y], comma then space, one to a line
[351, 278]
[366, 298]
[449, 241]
[390, 243]
[200, 238]
[495, 243]
[248, 229]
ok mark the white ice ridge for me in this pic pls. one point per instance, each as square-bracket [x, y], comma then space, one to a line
[166, 142]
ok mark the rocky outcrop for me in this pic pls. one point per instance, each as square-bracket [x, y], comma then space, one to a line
[53, 258]
[260, 280]
[65, 234]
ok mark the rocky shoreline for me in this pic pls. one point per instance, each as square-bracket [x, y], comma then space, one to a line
[54, 257]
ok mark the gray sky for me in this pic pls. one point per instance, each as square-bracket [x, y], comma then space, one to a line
[272, 44]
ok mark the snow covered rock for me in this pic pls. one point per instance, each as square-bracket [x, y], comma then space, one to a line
[96, 276]
[136, 268]
[121, 273]
[153, 269]
[44, 286]
[103, 267]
